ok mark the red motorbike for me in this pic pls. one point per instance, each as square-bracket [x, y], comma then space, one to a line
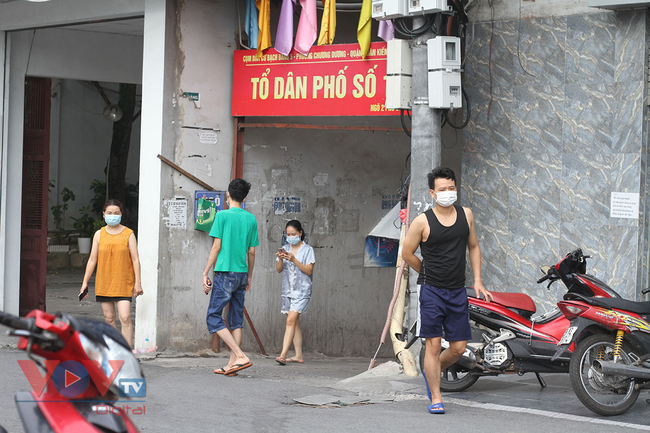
[507, 339]
[610, 339]
[87, 366]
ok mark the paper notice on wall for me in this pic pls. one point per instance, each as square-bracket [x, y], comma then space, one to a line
[176, 213]
[624, 205]
[208, 137]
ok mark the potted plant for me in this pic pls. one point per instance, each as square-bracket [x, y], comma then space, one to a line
[58, 213]
[85, 225]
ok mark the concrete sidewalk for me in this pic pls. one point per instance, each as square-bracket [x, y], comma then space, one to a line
[62, 289]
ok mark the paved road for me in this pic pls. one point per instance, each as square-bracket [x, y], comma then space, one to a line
[184, 395]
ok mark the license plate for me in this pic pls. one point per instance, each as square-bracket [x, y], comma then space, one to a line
[568, 335]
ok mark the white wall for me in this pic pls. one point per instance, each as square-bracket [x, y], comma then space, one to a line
[153, 108]
[13, 149]
[83, 55]
[79, 153]
[3, 162]
[25, 15]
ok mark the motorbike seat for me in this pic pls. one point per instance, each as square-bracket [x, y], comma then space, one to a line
[519, 301]
[642, 308]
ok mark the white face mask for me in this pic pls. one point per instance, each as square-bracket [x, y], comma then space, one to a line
[446, 198]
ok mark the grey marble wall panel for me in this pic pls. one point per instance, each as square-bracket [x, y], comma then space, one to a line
[642, 277]
[587, 119]
[480, 63]
[534, 186]
[485, 187]
[542, 50]
[539, 172]
[537, 119]
[627, 122]
[626, 172]
[590, 48]
[622, 260]
[489, 133]
[630, 48]
[594, 241]
[585, 188]
[492, 236]
[531, 244]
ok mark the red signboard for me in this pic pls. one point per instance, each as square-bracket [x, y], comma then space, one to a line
[334, 80]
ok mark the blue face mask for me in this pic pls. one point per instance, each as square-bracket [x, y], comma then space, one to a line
[112, 220]
[293, 240]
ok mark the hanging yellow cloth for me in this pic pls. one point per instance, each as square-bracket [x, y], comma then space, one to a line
[328, 23]
[365, 25]
[264, 23]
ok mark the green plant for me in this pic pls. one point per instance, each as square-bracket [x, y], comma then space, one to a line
[58, 212]
[130, 216]
[97, 202]
[85, 223]
[98, 224]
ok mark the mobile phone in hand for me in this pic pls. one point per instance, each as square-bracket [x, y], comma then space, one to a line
[281, 251]
[83, 294]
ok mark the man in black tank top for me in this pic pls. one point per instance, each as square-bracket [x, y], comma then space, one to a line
[443, 234]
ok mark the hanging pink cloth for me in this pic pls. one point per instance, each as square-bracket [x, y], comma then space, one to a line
[284, 35]
[306, 34]
[386, 30]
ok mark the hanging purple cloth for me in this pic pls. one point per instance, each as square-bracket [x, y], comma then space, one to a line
[284, 35]
[251, 24]
[386, 30]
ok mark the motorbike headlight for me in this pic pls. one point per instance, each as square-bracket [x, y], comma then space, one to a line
[95, 352]
[131, 367]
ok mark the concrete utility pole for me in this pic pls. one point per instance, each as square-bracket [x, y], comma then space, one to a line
[425, 142]
[425, 131]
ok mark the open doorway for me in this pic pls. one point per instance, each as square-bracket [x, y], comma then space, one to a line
[92, 153]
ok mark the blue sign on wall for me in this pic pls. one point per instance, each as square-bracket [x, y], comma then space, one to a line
[218, 197]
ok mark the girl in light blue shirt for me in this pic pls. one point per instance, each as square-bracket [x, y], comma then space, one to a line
[295, 261]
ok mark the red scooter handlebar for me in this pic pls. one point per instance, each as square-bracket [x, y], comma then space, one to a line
[14, 322]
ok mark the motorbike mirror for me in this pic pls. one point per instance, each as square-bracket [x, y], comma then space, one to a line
[545, 269]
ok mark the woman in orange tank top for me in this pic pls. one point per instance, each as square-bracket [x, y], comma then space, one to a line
[115, 253]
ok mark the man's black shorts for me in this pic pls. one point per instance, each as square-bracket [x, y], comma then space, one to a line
[443, 309]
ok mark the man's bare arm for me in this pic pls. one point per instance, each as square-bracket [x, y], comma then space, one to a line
[475, 257]
[412, 242]
[212, 259]
[251, 265]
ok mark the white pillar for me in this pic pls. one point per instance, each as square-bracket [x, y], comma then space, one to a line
[17, 50]
[153, 74]
[4, 95]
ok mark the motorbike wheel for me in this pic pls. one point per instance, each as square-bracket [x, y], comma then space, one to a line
[603, 394]
[455, 378]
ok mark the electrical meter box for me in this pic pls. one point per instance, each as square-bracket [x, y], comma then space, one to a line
[389, 9]
[443, 52]
[399, 68]
[420, 7]
[443, 58]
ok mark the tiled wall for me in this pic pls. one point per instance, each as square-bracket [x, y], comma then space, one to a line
[566, 127]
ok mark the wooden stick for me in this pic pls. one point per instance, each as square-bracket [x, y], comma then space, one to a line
[194, 178]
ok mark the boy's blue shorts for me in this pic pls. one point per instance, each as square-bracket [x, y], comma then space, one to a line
[443, 309]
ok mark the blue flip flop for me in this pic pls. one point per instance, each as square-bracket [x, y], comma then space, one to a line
[436, 408]
[427, 385]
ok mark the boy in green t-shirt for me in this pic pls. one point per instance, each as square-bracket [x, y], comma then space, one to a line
[235, 237]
